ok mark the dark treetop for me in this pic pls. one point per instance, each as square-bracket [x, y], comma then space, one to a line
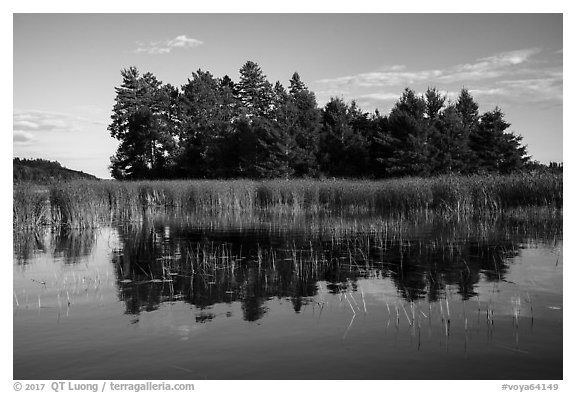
[217, 128]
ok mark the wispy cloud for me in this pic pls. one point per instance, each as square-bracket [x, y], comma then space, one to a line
[28, 123]
[494, 66]
[516, 77]
[499, 65]
[22, 137]
[166, 46]
[541, 92]
[378, 97]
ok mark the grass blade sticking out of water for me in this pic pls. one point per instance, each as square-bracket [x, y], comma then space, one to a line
[352, 308]
[349, 326]
[354, 300]
[406, 313]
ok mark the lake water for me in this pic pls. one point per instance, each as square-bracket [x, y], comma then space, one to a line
[276, 297]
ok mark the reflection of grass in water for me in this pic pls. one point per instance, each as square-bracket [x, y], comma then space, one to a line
[341, 245]
[212, 267]
[541, 223]
[215, 264]
[28, 242]
[344, 248]
[205, 270]
[73, 244]
[61, 292]
[86, 203]
[63, 242]
[218, 273]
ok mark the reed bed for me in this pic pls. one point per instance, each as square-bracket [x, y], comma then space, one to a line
[31, 206]
[91, 203]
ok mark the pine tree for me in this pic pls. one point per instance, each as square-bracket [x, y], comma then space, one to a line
[343, 151]
[296, 85]
[468, 109]
[258, 150]
[408, 137]
[278, 136]
[208, 108]
[254, 91]
[448, 143]
[215, 128]
[434, 103]
[380, 147]
[143, 122]
[493, 149]
[303, 125]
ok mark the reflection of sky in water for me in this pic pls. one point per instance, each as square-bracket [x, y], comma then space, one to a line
[132, 295]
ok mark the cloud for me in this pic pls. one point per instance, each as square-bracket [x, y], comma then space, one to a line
[22, 137]
[163, 47]
[376, 100]
[380, 79]
[540, 92]
[528, 76]
[504, 59]
[39, 122]
[22, 124]
[484, 68]
[380, 96]
[27, 124]
[499, 65]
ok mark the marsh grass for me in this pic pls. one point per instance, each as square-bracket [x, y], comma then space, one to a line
[82, 204]
[31, 206]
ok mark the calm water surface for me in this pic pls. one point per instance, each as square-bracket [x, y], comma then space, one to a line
[321, 298]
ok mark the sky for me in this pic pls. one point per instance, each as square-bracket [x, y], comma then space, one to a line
[66, 66]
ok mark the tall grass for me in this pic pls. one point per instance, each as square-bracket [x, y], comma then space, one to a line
[91, 203]
[31, 206]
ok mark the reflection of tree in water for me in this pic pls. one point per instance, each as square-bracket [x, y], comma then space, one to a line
[160, 263]
[424, 269]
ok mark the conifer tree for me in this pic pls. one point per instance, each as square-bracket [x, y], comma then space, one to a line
[494, 149]
[434, 103]
[343, 151]
[468, 110]
[448, 143]
[215, 128]
[143, 121]
[208, 108]
[407, 138]
[303, 126]
[254, 91]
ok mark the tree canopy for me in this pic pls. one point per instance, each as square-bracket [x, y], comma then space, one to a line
[214, 127]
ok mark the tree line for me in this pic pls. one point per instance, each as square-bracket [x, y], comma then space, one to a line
[44, 171]
[217, 128]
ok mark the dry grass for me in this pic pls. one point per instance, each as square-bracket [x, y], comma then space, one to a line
[91, 203]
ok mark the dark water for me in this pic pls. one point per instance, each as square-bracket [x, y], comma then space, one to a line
[290, 298]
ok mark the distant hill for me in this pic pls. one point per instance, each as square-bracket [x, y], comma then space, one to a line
[44, 171]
